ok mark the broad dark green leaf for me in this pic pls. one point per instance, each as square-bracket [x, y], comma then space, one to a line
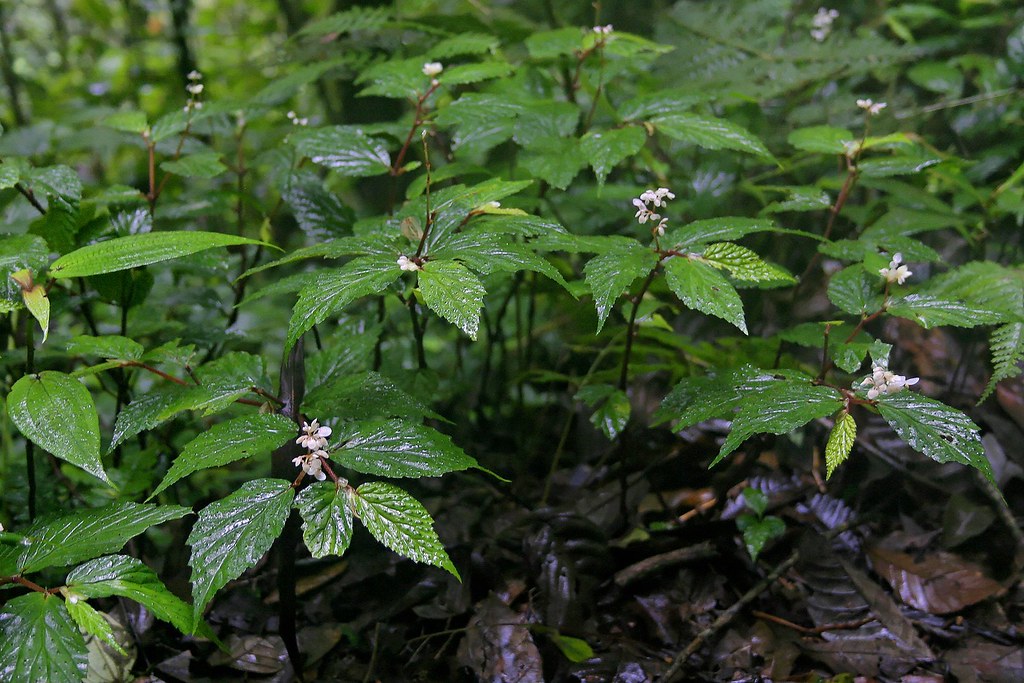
[56, 412]
[605, 149]
[226, 442]
[824, 139]
[611, 408]
[610, 274]
[153, 408]
[233, 533]
[932, 311]
[454, 293]
[711, 133]
[840, 442]
[122, 253]
[39, 642]
[320, 214]
[758, 531]
[779, 407]
[362, 396]
[696, 399]
[128, 577]
[464, 74]
[704, 289]
[942, 433]
[555, 160]
[108, 346]
[199, 165]
[697, 233]
[896, 165]
[326, 511]
[346, 150]
[86, 534]
[330, 291]
[554, 43]
[486, 252]
[395, 448]
[855, 290]
[400, 522]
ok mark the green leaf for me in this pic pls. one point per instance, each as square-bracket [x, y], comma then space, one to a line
[671, 101]
[704, 289]
[400, 522]
[233, 533]
[931, 311]
[363, 396]
[151, 409]
[824, 139]
[701, 232]
[1007, 347]
[757, 532]
[612, 408]
[779, 407]
[696, 399]
[543, 45]
[122, 253]
[488, 252]
[38, 304]
[610, 274]
[463, 44]
[110, 346]
[942, 433]
[744, 264]
[39, 642]
[19, 252]
[199, 165]
[326, 511]
[896, 165]
[128, 577]
[319, 213]
[331, 291]
[226, 442]
[86, 534]
[454, 293]
[575, 650]
[555, 160]
[92, 622]
[840, 442]
[855, 291]
[711, 133]
[464, 74]
[56, 412]
[57, 181]
[347, 150]
[756, 500]
[395, 448]
[605, 149]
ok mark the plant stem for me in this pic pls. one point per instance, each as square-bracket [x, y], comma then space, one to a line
[631, 329]
[30, 448]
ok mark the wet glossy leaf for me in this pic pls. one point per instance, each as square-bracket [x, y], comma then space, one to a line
[757, 532]
[932, 311]
[56, 412]
[40, 642]
[942, 433]
[938, 583]
[704, 289]
[346, 150]
[855, 291]
[400, 522]
[711, 133]
[326, 511]
[226, 442]
[200, 165]
[394, 448]
[743, 264]
[233, 533]
[454, 293]
[696, 399]
[610, 274]
[107, 346]
[86, 534]
[605, 149]
[701, 232]
[122, 253]
[840, 442]
[556, 160]
[363, 396]
[128, 577]
[896, 165]
[92, 622]
[611, 408]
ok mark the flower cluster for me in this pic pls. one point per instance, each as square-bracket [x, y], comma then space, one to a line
[314, 440]
[883, 381]
[822, 22]
[432, 68]
[649, 200]
[296, 121]
[603, 30]
[895, 272]
[406, 263]
[194, 89]
[871, 107]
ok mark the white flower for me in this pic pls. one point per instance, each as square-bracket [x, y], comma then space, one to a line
[406, 263]
[194, 75]
[294, 118]
[311, 465]
[603, 30]
[822, 22]
[194, 88]
[432, 68]
[871, 107]
[883, 381]
[656, 198]
[895, 272]
[314, 436]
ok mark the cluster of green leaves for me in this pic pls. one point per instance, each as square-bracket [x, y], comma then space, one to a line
[415, 213]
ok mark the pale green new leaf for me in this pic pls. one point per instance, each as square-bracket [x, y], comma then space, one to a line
[233, 533]
[326, 511]
[711, 133]
[942, 433]
[840, 442]
[400, 522]
[199, 165]
[39, 642]
[56, 412]
[779, 407]
[330, 291]
[92, 622]
[128, 577]
[86, 534]
[122, 253]
[346, 150]
[610, 274]
[226, 442]
[454, 293]
[704, 289]
[1007, 348]
[743, 264]
[395, 448]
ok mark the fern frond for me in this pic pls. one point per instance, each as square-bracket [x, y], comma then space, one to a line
[1007, 346]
